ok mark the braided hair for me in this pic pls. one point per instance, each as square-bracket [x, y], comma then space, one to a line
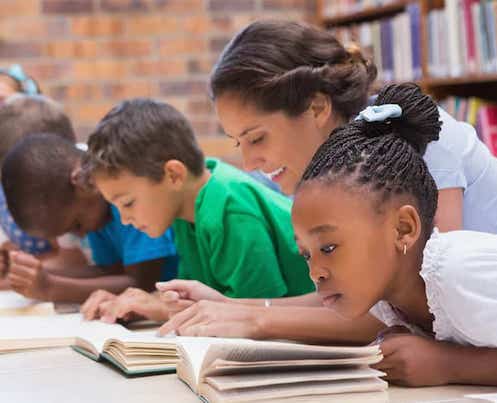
[385, 157]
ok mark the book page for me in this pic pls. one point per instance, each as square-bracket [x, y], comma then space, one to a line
[193, 351]
[294, 390]
[222, 367]
[96, 333]
[289, 377]
[20, 332]
[12, 303]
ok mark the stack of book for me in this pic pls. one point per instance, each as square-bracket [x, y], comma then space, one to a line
[462, 38]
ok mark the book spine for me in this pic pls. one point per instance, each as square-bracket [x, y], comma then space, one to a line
[451, 7]
[469, 34]
[413, 10]
[491, 40]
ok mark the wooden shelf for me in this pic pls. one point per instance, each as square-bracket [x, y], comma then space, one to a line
[370, 13]
[463, 80]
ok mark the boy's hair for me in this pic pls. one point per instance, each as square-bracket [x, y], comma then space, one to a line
[36, 177]
[140, 135]
[385, 157]
[22, 115]
[281, 65]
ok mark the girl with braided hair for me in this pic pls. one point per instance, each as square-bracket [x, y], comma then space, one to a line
[365, 209]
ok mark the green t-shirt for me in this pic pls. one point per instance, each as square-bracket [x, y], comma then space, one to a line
[242, 243]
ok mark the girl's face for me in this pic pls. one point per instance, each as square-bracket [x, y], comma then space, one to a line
[274, 143]
[349, 246]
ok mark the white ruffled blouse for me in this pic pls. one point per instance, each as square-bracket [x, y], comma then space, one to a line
[460, 273]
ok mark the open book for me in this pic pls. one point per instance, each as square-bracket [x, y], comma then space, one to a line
[134, 353]
[12, 303]
[239, 370]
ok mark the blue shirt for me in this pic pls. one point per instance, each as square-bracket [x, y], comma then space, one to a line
[119, 243]
[460, 160]
[26, 243]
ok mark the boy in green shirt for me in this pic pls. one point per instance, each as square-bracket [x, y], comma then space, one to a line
[232, 233]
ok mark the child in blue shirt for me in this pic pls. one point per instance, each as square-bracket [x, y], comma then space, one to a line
[55, 200]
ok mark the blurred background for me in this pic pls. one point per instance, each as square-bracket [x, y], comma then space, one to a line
[90, 54]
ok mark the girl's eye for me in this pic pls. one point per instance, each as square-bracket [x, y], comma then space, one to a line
[128, 204]
[257, 140]
[328, 249]
[306, 255]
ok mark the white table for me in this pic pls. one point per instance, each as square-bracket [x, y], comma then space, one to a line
[62, 375]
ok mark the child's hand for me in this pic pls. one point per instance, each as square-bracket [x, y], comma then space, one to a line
[27, 277]
[5, 248]
[134, 303]
[207, 318]
[411, 360]
[180, 294]
[91, 307]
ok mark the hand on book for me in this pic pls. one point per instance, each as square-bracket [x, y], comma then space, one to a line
[209, 318]
[181, 294]
[412, 360]
[91, 307]
[27, 277]
[134, 304]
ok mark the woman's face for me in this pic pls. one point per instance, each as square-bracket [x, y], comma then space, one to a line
[279, 145]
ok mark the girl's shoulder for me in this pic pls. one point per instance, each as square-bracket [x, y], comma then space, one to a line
[459, 269]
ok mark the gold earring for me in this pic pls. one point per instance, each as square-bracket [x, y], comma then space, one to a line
[405, 249]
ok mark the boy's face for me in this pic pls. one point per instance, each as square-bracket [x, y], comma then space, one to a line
[87, 213]
[349, 246]
[149, 206]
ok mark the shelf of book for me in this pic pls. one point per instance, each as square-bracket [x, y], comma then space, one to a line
[442, 44]
[463, 80]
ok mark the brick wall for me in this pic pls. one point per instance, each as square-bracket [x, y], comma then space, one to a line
[89, 54]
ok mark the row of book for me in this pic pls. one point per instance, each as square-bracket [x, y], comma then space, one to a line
[477, 112]
[394, 44]
[332, 8]
[462, 38]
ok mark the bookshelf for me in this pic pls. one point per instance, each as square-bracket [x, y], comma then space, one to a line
[442, 83]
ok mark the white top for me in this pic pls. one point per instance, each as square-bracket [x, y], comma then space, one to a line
[460, 273]
[460, 160]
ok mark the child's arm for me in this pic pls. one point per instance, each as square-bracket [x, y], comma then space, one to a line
[312, 325]
[180, 294]
[416, 361]
[27, 277]
[449, 212]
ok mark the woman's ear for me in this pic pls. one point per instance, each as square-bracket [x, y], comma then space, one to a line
[408, 226]
[175, 173]
[321, 109]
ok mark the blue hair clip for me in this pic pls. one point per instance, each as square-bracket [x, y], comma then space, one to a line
[28, 85]
[380, 113]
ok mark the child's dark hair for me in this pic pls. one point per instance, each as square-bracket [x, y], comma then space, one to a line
[385, 157]
[22, 115]
[36, 178]
[281, 65]
[140, 135]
